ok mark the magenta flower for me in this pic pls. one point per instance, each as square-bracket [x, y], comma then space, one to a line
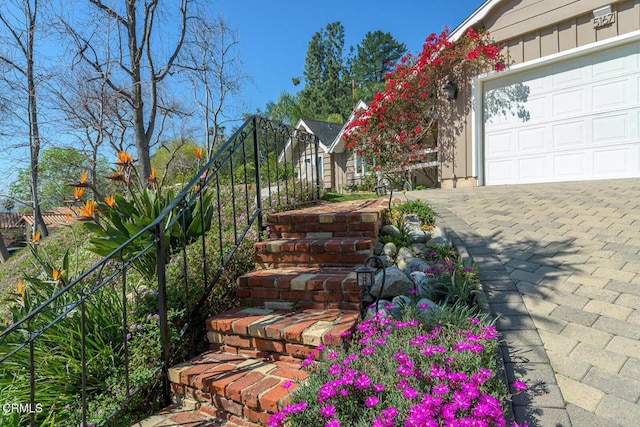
[287, 384]
[519, 385]
[371, 401]
[327, 411]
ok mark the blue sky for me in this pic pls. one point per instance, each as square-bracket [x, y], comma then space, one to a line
[274, 35]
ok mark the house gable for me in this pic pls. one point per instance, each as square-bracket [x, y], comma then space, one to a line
[337, 145]
[325, 132]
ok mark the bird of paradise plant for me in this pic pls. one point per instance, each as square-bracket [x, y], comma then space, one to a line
[120, 217]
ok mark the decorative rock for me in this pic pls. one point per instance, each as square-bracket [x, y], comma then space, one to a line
[416, 265]
[382, 304]
[401, 263]
[399, 303]
[420, 249]
[390, 230]
[378, 249]
[417, 236]
[396, 283]
[438, 232]
[438, 241]
[418, 277]
[422, 283]
[390, 249]
[405, 253]
[425, 305]
[412, 223]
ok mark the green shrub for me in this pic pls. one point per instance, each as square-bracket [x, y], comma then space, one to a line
[420, 209]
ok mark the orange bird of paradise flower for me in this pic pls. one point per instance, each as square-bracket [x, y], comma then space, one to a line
[78, 192]
[110, 201]
[36, 237]
[83, 177]
[87, 210]
[124, 158]
[20, 288]
[153, 178]
[198, 153]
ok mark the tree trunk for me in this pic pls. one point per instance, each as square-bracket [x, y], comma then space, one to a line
[34, 131]
[4, 253]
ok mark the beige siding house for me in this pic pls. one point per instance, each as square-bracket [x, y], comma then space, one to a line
[304, 156]
[578, 62]
[339, 168]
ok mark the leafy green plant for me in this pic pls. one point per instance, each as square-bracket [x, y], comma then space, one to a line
[418, 208]
[58, 370]
[122, 217]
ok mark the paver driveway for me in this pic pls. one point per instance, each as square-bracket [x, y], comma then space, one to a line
[560, 264]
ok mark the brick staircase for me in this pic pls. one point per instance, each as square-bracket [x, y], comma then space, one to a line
[302, 294]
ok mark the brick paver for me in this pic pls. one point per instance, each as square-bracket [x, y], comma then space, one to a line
[560, 263]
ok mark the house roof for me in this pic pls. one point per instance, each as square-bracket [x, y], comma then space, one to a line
[337, 144]
[57, 216]
[325, 131]
[9, 219]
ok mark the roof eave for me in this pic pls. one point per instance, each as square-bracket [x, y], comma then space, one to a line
[478, 15]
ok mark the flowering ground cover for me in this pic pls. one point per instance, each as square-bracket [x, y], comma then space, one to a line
[406, 373]
[428, 366]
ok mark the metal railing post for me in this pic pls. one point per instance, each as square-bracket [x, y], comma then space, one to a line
[162, 308]
[317, 192]
[256, 160]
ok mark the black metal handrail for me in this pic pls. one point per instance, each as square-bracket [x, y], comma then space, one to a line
[247, 182]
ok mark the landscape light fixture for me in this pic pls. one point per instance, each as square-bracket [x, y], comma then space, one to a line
[381, 190]
[366, 278]
[451, 90]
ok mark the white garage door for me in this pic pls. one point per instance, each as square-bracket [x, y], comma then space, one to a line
[583, 121]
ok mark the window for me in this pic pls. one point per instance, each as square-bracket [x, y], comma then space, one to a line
[308, 173]
[319, 165]
[361, 166]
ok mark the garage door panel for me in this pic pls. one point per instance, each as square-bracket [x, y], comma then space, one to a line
[567, 74]
[532, 169]
[569, 135]
[568, 103]
[609, 129]
[607, 163]
[615, 62]
[610, 95]
[584, 122]
[569, 166]
[500, 171]
[499, 144]
[531, 140]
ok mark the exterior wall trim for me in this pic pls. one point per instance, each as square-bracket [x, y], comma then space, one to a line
[477, 152]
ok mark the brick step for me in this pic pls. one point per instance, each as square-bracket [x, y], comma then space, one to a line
[330, 252]
[240, 389]
[285, 288]
[187, 415]
[358, 218]
[279, 335]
